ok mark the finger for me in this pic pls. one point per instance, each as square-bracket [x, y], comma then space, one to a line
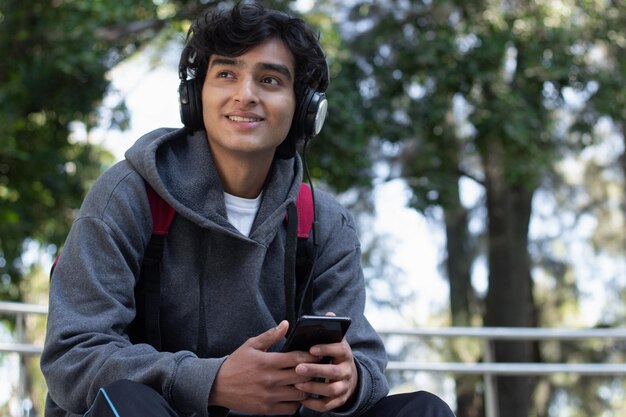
[324, 396]
[345, 371]
[330, 314]
[338, 351]
[324, 372]
[295, 357]
[266, 340]
[322, 404]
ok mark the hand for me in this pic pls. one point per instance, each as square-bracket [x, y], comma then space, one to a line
[340, 377]
[252, 380]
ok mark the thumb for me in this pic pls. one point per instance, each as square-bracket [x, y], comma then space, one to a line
[270, 337]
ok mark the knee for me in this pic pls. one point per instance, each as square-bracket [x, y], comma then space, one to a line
[430, 405]
[419, 403]
[410, 404]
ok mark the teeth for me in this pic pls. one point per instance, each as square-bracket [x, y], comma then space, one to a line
[243, 119]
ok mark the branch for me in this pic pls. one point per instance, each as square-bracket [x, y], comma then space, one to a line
[114, 33]
[464, 173]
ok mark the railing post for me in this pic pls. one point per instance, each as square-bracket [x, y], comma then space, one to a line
[491, 388]
[21, 371]
[24, 402]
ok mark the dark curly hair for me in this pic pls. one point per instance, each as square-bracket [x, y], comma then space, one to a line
[234, 32]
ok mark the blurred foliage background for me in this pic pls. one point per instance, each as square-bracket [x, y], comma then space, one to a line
[520, 104]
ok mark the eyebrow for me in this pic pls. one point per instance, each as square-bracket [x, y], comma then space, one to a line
[280, 68]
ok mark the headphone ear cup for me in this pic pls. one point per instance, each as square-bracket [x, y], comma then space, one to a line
[307, 122]
[316, 114]
[311, 113]
[190, 101]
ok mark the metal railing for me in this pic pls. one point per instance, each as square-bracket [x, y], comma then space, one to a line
[21, 346]
[20, 311]
[488, 369]
[491, 334]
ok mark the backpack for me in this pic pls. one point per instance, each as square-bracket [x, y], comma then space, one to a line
[299, 262]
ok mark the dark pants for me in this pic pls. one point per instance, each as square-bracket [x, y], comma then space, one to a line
[413, 404]
[129, 399]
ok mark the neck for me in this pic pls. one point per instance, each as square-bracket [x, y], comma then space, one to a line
[243, 176]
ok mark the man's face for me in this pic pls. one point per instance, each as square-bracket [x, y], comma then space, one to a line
[248, 101]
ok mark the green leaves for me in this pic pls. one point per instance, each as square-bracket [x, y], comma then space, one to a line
[53, 73]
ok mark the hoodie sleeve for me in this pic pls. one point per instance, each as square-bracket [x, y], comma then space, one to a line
[92, 303]
[339, 287]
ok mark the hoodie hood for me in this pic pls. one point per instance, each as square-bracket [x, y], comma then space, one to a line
[179, 166]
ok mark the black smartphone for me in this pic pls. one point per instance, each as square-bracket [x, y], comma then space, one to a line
[315, 330]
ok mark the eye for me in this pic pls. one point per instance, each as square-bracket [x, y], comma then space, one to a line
[223, 74]
[270, 80]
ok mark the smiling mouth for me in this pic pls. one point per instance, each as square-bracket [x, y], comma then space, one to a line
[244, 119]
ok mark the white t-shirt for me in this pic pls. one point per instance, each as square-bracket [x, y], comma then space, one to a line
[241, 211]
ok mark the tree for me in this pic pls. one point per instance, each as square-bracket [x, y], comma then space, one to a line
[53, 75]
[508, 64]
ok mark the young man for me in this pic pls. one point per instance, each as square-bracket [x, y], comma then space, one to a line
[252, 85]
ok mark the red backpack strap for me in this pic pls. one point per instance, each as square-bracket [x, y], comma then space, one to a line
[306, 251]
[162, 213]
[54, 264]
[304, 205]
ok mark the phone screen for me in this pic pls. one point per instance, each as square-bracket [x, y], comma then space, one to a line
[315, 330]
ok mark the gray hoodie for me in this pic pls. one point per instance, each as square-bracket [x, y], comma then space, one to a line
[209, 269]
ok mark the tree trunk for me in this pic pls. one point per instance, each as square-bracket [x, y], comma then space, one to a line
[460, 256]
[621, 126]
[509, 299]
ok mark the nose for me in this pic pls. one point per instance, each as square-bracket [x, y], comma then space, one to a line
[246, 92]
